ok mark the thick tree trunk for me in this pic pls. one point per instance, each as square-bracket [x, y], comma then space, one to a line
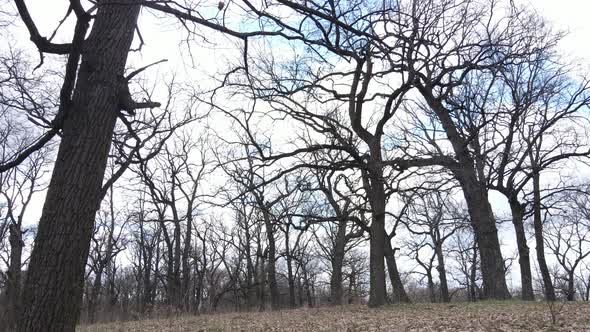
[377, 197]
[336, 291]
[476, 196]
[54, 283]
[486, 234]
[526, 277]
[539, 241]
[399, 293]
[571, 290]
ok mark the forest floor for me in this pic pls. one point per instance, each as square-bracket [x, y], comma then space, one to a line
[481, 316]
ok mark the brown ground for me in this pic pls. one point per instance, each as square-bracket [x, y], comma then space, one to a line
[483, 316]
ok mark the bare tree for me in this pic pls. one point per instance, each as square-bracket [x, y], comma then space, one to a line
[568, 239]
[17, 188]
[432, 219]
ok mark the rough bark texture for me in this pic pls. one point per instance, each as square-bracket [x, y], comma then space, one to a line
[524, 261]
[53, 288]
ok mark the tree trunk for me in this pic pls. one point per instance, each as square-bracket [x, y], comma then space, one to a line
[290, 277]
[526, 278]
[186, 268]
[93, 298]
[176, 296]
[473, 276]
[262, 282]
[486, 234]
[376, 193]
[540, 242]
[336, 291]
[13, 287]
[250, 271]
[442, 274]
[271, 265]
[399, 293]
[571, 291]
[431, 290]
[54, 283]
[307, 286]
[476, 197]
[352, 286]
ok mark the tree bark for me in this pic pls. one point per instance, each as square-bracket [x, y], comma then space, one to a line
[476, 197]
[93, 298]
[539, 240]
[271, 265]
[571, 290]
[54, 284]
[526, 278]
[261, 279]
[186, 268]
[430, 283]
[442, 273]
[290, 276]
[486, 234]
[399, 293]
[336, 290]
[375, 188]
[473, 276]
[13, 287]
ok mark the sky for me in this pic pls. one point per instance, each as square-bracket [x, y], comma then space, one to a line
[163, 42]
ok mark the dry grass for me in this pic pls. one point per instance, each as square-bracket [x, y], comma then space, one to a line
[483, 316]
